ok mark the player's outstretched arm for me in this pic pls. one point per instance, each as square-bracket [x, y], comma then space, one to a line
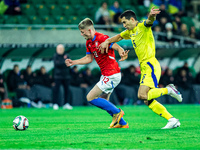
[69, 62]
[152, 15]
[85, 60]
[106, 43]
[123, 54]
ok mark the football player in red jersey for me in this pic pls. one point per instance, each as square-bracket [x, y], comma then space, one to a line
[111, 75]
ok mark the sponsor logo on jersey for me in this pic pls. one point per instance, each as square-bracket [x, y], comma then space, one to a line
[111, 57]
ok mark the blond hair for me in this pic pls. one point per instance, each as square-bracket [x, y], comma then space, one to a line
[85, 23]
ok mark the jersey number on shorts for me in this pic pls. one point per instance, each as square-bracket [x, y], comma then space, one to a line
[105, 80]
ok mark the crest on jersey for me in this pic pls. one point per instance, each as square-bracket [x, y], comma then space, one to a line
[96, 44]
[95, 54]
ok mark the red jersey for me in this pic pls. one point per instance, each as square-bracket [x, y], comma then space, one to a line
[106, 61]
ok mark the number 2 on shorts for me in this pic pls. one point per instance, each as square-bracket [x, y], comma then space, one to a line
[105, 80]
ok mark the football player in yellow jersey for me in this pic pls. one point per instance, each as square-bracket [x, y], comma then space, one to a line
[142, 39]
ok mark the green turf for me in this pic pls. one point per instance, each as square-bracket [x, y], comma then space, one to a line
[87, 128]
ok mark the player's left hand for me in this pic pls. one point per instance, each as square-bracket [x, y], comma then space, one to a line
[154, 12]
[103, 46]
[69, 62]
[124, 55]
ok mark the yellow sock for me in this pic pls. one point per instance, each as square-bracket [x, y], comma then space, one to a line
[157, 92]
[160, 110]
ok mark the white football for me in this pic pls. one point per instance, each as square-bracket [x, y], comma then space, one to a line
[20, 123]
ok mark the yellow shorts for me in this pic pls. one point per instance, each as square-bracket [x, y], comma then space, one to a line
[150, 73]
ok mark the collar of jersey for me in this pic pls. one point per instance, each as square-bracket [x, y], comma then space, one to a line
[94, 38]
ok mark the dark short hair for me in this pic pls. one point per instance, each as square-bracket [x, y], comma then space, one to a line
[128, 14]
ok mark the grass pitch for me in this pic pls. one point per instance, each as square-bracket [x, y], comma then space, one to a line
[87, 128]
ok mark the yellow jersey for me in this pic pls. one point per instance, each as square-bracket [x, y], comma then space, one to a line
[142, 40]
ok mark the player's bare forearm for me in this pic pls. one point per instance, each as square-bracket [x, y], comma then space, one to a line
[85, 60]
[150, 20]
[152, 15]
[106, 43]
[113, 39]
[118, 48]
[123, 54]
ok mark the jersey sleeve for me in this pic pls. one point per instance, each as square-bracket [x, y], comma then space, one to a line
[87, 48]
[125, 34]
[143, 26]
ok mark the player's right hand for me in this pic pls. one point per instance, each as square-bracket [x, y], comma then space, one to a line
[103, 46]
[124, 55]
[68, 62]
[154, 11]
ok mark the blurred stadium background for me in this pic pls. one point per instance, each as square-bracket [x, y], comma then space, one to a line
[31, 37]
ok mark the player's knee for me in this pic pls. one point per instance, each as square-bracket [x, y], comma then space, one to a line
[89, 98]
[142, 96]
[105, 96]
